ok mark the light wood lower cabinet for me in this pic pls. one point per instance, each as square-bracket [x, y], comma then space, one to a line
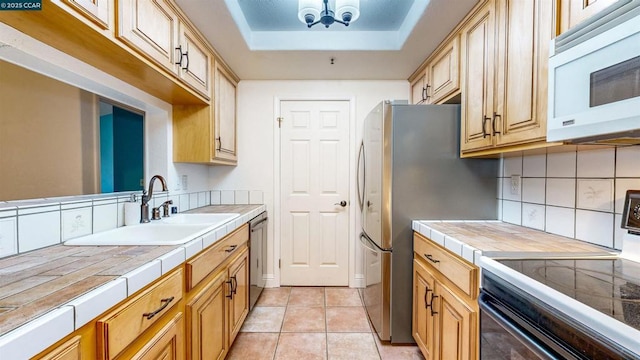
[167, 344]
[70, 350]
[218, 300]
[445, 317]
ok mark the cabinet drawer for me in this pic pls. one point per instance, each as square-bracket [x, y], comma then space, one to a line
[123, 325]
[202, 265]
[454, 268]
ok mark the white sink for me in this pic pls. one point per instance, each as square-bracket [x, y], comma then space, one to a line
[145, 234]
[218, 218]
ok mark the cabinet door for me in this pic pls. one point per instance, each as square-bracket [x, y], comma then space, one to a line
[422, 326]
[194, 62]
[70, 350]
[478, 58]
[418, 89]
[150, 27]
[573, 12]
[525, 28]
[167, 344]
[97, 11]
[225, 116]
[239, 302]
[443, 72]
[207, 323]
[457, 324]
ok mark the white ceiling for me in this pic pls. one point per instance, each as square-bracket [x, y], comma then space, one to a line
[264, 40]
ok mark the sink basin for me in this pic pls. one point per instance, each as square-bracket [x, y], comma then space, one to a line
[200, 218]
[145, 234]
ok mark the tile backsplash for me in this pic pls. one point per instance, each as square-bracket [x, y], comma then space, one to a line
[578, 194]
[36, 223]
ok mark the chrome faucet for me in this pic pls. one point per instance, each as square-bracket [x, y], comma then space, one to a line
[147, 195]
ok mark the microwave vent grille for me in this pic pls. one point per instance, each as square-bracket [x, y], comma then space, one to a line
[617, 13]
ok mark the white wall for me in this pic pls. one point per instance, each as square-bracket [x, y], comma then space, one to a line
[257, 107]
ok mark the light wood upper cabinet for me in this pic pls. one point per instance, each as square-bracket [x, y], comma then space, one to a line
[505, 50]
[97, 11]
[151, 28]
[419, 89]
[225, 115]
[573, 12]
[478, 64]
[443, 72]
[195, 60]
[440, 76]
[524, 31]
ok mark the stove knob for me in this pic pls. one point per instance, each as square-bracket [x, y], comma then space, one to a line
[636, 212]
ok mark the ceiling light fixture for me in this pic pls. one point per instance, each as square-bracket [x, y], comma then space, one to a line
[310, 10]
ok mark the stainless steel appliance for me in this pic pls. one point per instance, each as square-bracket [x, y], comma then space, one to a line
[409, 168]
[594, 79]
[257, 256]
[568, 307]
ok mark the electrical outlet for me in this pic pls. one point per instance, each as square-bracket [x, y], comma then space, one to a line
[515, 184]
[184, 182]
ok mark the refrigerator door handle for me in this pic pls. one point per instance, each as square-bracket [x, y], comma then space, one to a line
[361, 156]
[364, 242]
[371, 242]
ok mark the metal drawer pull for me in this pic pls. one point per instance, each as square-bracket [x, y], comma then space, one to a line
[165, 303]
[231, 248]
[430, 257]
[234, 285]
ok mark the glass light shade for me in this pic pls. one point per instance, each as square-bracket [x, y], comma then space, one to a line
[352, 6]
[313, 7]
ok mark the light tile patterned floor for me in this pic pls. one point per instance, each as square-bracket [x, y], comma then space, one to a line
[313, 323]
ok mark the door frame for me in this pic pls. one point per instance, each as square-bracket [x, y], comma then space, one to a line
[277, 198]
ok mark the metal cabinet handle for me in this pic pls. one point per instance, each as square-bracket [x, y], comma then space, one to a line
[433, 297]
[426, 92]
[179, 61]
[234, 285]
[231, 248]
[230, 296]
[493, 123]
[165, 303]
[426, 293]
[341, 203]
[430, 257]
[484, 125]
[186, 55]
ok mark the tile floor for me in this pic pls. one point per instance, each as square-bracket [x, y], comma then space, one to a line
[312, 323]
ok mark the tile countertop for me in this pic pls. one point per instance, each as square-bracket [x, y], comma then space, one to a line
[48, 293]
[472, 239]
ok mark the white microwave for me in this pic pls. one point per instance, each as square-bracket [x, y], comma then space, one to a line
[594, 79]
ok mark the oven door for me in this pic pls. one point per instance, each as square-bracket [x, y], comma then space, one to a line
[504, 336]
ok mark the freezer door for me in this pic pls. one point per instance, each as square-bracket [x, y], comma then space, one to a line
[376, 294]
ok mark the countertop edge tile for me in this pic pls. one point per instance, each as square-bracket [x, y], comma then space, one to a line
[38, 334]
[193, 247]
[437, 237]
[143, 276]
[172, 259]
[88, 306]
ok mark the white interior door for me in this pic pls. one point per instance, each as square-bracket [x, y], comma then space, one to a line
[314, 158]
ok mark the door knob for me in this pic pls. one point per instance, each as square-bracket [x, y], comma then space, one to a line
[341, 203]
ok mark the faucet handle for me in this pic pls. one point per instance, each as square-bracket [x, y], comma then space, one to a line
[155, 213]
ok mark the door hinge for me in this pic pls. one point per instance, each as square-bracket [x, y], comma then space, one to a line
[280, 120]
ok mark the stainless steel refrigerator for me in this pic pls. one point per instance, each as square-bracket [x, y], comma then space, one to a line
[410, 169]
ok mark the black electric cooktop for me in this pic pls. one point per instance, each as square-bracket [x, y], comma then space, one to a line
[611, 286]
